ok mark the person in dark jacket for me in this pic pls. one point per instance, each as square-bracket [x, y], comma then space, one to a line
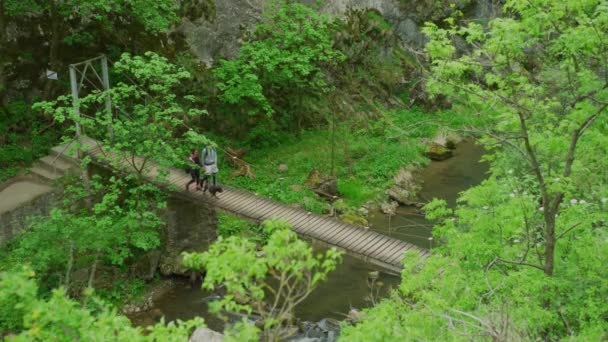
[195, 171]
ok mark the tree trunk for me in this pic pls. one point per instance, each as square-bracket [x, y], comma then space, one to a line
[333, 141]
[94, 269]
[300, 113]
[54, 43]
[2, 24]
[70, 265]
[3, 53]
[549, 242]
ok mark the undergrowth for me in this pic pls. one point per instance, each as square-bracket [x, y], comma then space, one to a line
[229, 225]
[367, 155]
[19, 148]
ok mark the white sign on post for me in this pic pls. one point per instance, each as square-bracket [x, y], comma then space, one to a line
[51, 75]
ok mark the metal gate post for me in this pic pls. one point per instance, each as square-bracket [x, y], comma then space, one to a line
[106, 87]
[76, 105]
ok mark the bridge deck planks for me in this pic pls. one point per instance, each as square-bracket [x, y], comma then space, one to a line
[370, 245]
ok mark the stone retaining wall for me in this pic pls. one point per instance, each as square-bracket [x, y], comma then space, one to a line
[14, 221]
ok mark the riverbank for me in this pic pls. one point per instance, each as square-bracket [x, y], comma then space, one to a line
[364, 158]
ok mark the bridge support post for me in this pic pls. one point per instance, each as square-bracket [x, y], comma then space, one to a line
[106, 87]
[76, 105]
[99, 81]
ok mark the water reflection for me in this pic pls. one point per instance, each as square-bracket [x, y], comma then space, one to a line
[347, 286]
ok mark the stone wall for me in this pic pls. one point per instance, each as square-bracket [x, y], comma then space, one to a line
[190, 227]
[14, 221]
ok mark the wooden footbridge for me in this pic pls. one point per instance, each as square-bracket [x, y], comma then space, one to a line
[362, 243]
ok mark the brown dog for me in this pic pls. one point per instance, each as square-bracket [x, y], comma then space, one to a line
[214, 189]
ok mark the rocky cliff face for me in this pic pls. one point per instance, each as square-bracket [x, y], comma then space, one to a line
[221, 35]
[191, 227]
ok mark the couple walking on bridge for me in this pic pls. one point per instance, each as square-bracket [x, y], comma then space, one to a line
[209, 165]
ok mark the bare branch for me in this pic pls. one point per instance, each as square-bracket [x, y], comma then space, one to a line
[522, 263]
[568, 230]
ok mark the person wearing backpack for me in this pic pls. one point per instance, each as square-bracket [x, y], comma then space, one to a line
[209, 163]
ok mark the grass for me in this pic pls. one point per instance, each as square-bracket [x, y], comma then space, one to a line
[366, 158]
[229, 225]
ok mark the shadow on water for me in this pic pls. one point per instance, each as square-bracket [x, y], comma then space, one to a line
[347, 286]
[440, 179]
[182, 302]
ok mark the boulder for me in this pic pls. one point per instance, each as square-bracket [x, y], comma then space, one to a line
[353, 218]
[326, 330]
[451, 140]
[447, 140]
[389, 208]
[363, 211]
[354, 316]
[322, 184]
[205, 335]
[438, 152]
[403, 196]
[405, 190]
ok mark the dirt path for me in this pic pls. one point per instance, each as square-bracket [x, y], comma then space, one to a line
[20, 193]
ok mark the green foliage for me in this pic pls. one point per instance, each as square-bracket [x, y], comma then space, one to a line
[16, 297]
[109, 221]
[11, 156]
[62, 319]
[153, 16]
[270, 281]
[366, 158]
[355, 191]
[123, 291]
[287, 58]
[523, 255]
[229, 225]
[20, 140]
[84, 39]
[242, 331]
[152, 120]
[375, 65]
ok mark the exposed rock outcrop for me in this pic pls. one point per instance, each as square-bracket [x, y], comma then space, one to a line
[205, 335]
[326, 330]
[322, 184]
[405, 190]
[221, 36]
[438, 152]
[389, 208]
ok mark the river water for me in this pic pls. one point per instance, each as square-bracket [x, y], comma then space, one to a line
[347, 286]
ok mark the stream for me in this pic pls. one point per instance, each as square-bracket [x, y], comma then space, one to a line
[346, 287]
